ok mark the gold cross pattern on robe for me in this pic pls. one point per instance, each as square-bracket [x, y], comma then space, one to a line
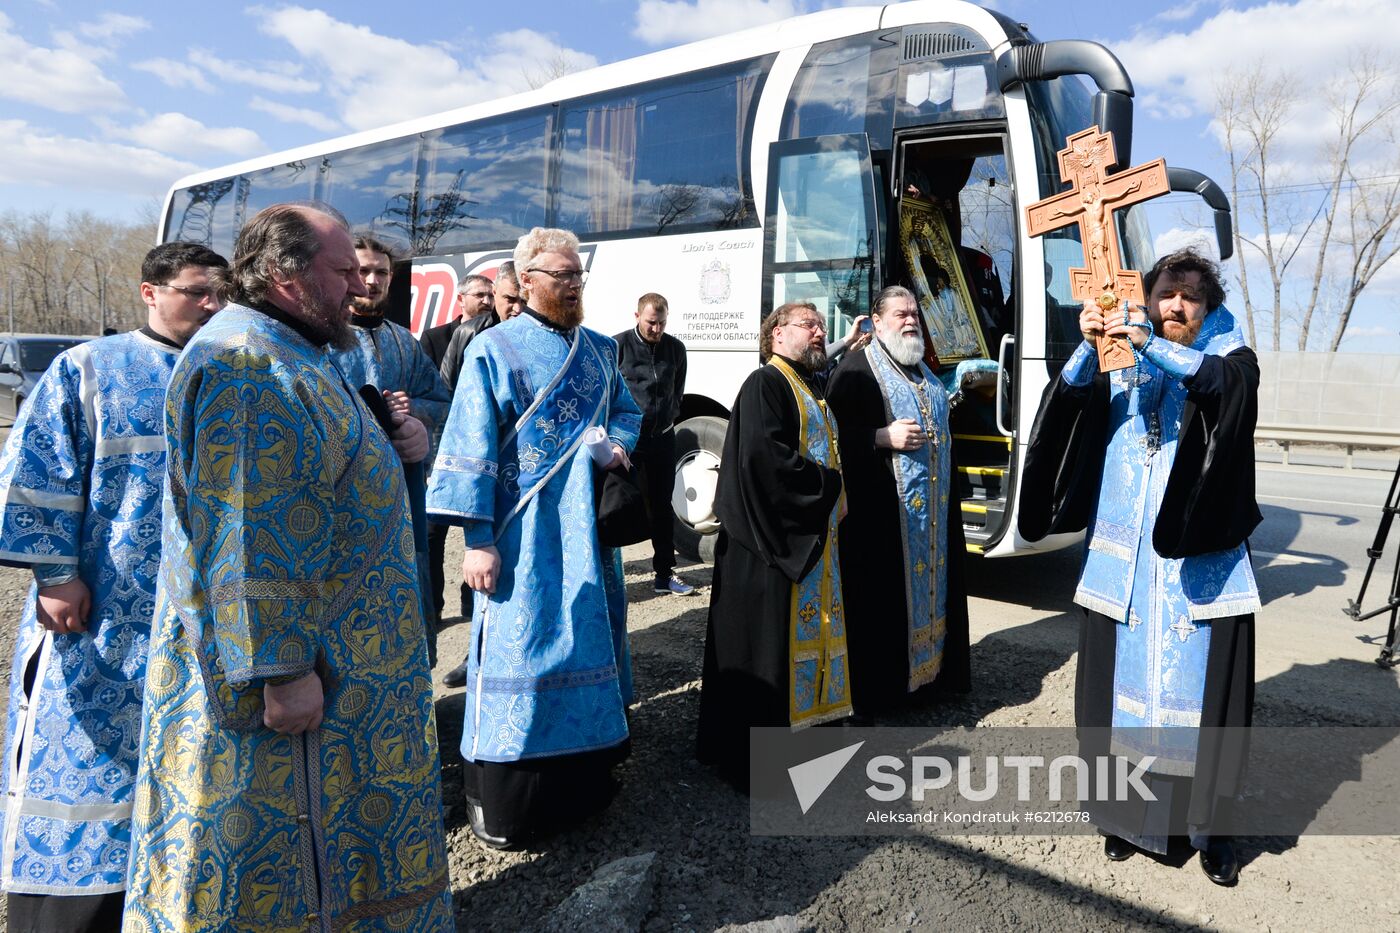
[1090, 202]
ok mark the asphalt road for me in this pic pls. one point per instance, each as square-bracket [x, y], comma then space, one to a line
[1309, 559]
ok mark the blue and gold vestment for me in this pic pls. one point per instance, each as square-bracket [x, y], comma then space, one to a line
[80, 493]
[288, 549]
[548, 670]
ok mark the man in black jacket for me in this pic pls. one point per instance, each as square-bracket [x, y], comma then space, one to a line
[653, 363]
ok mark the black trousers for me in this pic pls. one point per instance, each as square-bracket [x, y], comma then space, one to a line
[50, 913]
[437, 557]
[537, 796]
[655, 460]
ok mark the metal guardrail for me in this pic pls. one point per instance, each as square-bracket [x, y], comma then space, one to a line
[1286, 435]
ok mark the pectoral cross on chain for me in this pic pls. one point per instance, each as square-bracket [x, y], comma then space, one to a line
[1091, 203]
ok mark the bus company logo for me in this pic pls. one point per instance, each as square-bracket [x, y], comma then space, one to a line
[714, 283]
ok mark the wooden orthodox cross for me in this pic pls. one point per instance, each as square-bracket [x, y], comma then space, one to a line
[1091, 203]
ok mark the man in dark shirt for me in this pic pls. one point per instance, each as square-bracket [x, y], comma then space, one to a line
[653, 363]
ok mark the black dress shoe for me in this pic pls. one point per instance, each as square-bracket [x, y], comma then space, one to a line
[1219, 862]
[1117, 848]
[457, 677]
[477, 819]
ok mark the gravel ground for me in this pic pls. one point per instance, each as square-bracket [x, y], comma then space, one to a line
[712, 873]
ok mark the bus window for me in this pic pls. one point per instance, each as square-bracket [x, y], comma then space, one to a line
[204, 213]
[374, 187]
[669, 157]
[844, 86]
[290, 181]
[486, 182]
[821, 233]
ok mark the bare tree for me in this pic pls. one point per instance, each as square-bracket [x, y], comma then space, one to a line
[59, 278]
[1346, 215]
[1364, 192]
[557, 65]
[1253, 107]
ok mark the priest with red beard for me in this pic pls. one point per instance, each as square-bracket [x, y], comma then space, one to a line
[548, 678]
[901, 553]
[1157, 463]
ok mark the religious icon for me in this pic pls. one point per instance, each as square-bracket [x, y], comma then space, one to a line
[1090, 202]
[936, 278]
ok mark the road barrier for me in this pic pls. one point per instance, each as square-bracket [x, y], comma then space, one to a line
[1286, 435]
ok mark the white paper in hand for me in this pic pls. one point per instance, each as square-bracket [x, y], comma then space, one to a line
[599, 447]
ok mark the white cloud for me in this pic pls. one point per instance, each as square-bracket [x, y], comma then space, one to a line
[299, 115]
[54, 78]
[278, 77]
[113, 26]
[666, 22]
[176, 74]
[177, 133]
[1177, 237]
[33, 156]
[374, 79]
[1176, 71]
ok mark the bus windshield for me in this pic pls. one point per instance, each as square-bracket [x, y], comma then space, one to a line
[1059, 108]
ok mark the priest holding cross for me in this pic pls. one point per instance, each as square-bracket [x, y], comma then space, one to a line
[1156, 461]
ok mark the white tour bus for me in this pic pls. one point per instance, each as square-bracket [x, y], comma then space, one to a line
[738, 173]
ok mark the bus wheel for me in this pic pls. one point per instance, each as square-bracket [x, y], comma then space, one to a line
[699, 443]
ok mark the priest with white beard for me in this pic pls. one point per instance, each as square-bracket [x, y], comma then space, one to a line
[901, 555]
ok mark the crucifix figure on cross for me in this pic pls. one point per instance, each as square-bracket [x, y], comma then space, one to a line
[1090, 202]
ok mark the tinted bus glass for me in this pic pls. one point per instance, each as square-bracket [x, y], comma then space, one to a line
[844, 86]
[668, 157]
[486, 182]
[205, 214]
[376, 188]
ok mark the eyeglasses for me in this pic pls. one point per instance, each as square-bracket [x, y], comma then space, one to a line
[812, 325]
[565, 276]
[196, 293]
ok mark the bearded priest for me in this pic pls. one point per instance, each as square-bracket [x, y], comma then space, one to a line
[902, 555]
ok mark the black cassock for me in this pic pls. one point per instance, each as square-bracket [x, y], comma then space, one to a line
[1208, 505]
[873, 558]
[773, 506]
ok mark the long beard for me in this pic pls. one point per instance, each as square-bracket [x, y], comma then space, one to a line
[905, 349]
[813, 358]
[1182, 333]
[557, 312]
[327, 324]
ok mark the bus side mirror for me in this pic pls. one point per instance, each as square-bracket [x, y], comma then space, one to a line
[1113, 103]
[1185, 179]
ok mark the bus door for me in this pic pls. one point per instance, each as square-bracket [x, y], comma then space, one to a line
[821, 228]
[953, 244]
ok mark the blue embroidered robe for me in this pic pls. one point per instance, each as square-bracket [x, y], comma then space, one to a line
[390, 359]
[1164, 604]
[80, 492]
[922, 483]
[547, 673]
[288, 549]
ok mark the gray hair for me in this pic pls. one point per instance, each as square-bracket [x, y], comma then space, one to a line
[542, 240]
[467, 281]
[280, 241]
[506, 272]
[889, 294]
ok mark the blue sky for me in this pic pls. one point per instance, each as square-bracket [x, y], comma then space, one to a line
[103, 105]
